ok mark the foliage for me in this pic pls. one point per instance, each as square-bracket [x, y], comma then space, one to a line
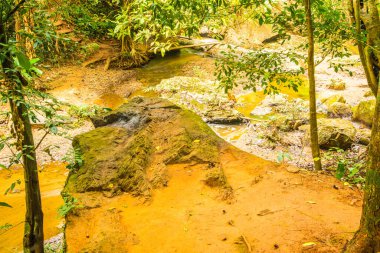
[264, 68]
[47, 43]
[91, 18]
[13, 185]
[6, 226]
[70, 205]
[3, 204]
[145, 26]
[74, 158]
[270, 68]
[86, 111]
[282, 156]
[349, 167]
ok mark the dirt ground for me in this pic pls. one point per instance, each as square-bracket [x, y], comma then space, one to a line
[272, 210]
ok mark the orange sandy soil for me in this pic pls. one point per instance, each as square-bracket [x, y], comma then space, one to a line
[272, 210]
[52, 179]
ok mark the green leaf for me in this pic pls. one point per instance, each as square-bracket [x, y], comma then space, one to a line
[23, 61]
[5, 204]
[340, 170]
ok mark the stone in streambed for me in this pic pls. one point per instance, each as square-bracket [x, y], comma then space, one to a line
[365, 111]
[338, 133]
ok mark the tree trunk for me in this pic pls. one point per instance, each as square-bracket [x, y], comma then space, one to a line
[367, 238]
[33, 233]
[312, 97]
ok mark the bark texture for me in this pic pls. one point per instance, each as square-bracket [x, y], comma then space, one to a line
[312, 97]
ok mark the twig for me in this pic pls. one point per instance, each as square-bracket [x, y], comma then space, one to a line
[246, 243]
[39, 143]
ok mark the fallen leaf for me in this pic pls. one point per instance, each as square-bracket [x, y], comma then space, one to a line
[265, 212]
[309, 244]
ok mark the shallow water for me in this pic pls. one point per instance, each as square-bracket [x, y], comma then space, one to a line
[173, 64]
[52, 178]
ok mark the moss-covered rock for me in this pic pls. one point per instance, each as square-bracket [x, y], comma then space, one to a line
[364, 136]
[338, 109]
[130, 147]
[365, 112]
[337, 133]
[336, 84]
[332, 99]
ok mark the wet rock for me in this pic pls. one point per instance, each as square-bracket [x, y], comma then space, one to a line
[365, 111]
[286, 114]
[128, 150]
[55, 243]
[368, 94]
[204, 97]
[338, 133]
[338, 110]
[293, 169]
[364, 136]
[275, 100]
[261, 111]
[332, 99]
[337, 84]
[269, 103]
[287, 123]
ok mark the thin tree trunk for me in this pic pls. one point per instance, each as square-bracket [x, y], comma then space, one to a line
[312, 97]
[33, 234]
[33, 231]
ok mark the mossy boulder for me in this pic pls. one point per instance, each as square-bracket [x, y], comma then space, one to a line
[336, 84]
[365, 111]
[336, 133]
[130, 147]
[338, 109]
[364, 136]
[332, 99]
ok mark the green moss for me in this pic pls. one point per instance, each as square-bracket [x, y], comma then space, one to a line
[333, 99]
[365, 112]
[112, 161]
